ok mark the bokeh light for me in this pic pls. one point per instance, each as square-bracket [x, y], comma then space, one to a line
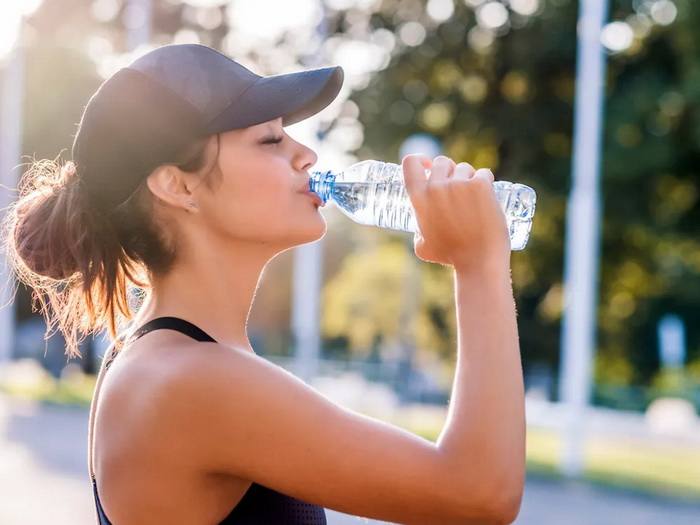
[412, 33]
[664, 12]
[525, 7]
[492, 15]
[243, 16]
[617, 36]
[440, 10]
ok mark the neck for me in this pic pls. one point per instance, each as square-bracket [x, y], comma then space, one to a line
[214, 296]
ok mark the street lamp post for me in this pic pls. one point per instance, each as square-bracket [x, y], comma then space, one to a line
[11, 104]
[583, 235]
[307, 277]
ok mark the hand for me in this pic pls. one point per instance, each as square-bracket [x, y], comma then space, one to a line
[461, 222]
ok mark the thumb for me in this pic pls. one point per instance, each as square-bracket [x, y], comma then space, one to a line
[414, 171]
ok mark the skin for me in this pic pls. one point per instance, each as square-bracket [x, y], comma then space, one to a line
[184, 427]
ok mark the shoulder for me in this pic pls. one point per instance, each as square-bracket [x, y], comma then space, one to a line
[177, 381]
[167, 385]
[167, 363]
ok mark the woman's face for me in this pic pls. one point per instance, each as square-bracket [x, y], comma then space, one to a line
[261, 196]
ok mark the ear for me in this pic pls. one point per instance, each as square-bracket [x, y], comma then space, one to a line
[171, 186]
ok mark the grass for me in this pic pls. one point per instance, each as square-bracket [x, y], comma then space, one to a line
[669, 471]
[654, 468]
[35, 384]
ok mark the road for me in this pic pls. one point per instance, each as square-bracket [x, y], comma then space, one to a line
[43, 479]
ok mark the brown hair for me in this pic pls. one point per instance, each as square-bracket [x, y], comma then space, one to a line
[81, 262]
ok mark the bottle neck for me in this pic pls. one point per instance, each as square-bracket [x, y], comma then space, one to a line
[321, 183]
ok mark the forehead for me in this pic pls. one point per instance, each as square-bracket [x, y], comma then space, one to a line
[272, 126]
[275, 124]
[254, 132]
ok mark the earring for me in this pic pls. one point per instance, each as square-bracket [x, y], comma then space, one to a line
[192, 204]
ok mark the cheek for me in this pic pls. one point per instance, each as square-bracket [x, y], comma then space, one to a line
[255, 210]
[260, 203]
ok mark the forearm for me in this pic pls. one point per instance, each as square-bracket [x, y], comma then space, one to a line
[484, 435]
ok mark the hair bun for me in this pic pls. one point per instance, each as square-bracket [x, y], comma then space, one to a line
[42, 234]
[48, 223]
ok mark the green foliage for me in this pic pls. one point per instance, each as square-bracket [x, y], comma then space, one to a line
[363, 299]
[509, 106]
[497, 98]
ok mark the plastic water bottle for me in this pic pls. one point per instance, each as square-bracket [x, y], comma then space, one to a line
[373, 193]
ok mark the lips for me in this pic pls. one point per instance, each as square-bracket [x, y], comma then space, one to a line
[306, 190]
[315, 197]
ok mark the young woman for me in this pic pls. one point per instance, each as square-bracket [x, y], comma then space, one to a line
[185, 184]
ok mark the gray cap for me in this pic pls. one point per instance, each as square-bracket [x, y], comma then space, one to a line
[144, 114]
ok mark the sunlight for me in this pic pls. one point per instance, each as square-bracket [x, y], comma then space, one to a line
[279, 16]
[11, 14]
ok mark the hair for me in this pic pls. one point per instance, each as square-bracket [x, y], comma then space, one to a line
[83, 264]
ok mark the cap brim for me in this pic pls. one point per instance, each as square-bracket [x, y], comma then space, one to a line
[292, 97]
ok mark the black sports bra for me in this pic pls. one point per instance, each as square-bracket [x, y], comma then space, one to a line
[259, 505]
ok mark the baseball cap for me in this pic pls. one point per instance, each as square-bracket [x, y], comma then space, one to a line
[145, 113]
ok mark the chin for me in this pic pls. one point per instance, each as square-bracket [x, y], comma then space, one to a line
[314, 234]
[300, 236]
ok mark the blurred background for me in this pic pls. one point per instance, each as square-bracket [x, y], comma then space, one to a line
[492, 82]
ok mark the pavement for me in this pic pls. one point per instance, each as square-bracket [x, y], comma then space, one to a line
[44, 480]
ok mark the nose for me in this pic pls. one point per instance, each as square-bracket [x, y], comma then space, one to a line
[304, 158]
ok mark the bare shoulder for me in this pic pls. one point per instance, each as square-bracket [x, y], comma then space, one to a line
[227, 411]
[177, 384]
[205, 384]
[164, 366]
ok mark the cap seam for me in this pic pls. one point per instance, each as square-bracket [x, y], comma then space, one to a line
[164, 86]
[233, 101]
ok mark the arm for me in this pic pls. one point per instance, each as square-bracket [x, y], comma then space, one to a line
[487, 405]
[463, 226]
[243, 416]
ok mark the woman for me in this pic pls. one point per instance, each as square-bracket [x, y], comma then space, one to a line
[186, 184]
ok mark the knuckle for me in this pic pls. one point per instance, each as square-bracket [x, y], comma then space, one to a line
[461, 183]
[483, 183]
[434, 188]
[486, 174]
[444, 161]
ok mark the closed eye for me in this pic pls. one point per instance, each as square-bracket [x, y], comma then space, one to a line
[272, 140]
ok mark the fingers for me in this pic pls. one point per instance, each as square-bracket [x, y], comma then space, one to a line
[442, 169]
[414, 171]
[485, 174]
[463, 171]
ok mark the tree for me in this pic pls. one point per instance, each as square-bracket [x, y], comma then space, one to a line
[497, 88]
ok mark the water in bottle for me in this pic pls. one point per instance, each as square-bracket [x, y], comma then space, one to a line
[373, 193]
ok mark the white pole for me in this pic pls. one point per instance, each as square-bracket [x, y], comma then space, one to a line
[10, 157]
[308, 267]
[306, 289]
[582, 236]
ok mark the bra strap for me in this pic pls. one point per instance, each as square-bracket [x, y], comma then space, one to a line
[173, 323]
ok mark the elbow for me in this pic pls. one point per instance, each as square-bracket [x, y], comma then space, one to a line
[505, 504]
[505, 495]
[498, 506]
[505, 511]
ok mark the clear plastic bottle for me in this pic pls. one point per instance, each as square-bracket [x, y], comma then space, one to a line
[373, 193]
